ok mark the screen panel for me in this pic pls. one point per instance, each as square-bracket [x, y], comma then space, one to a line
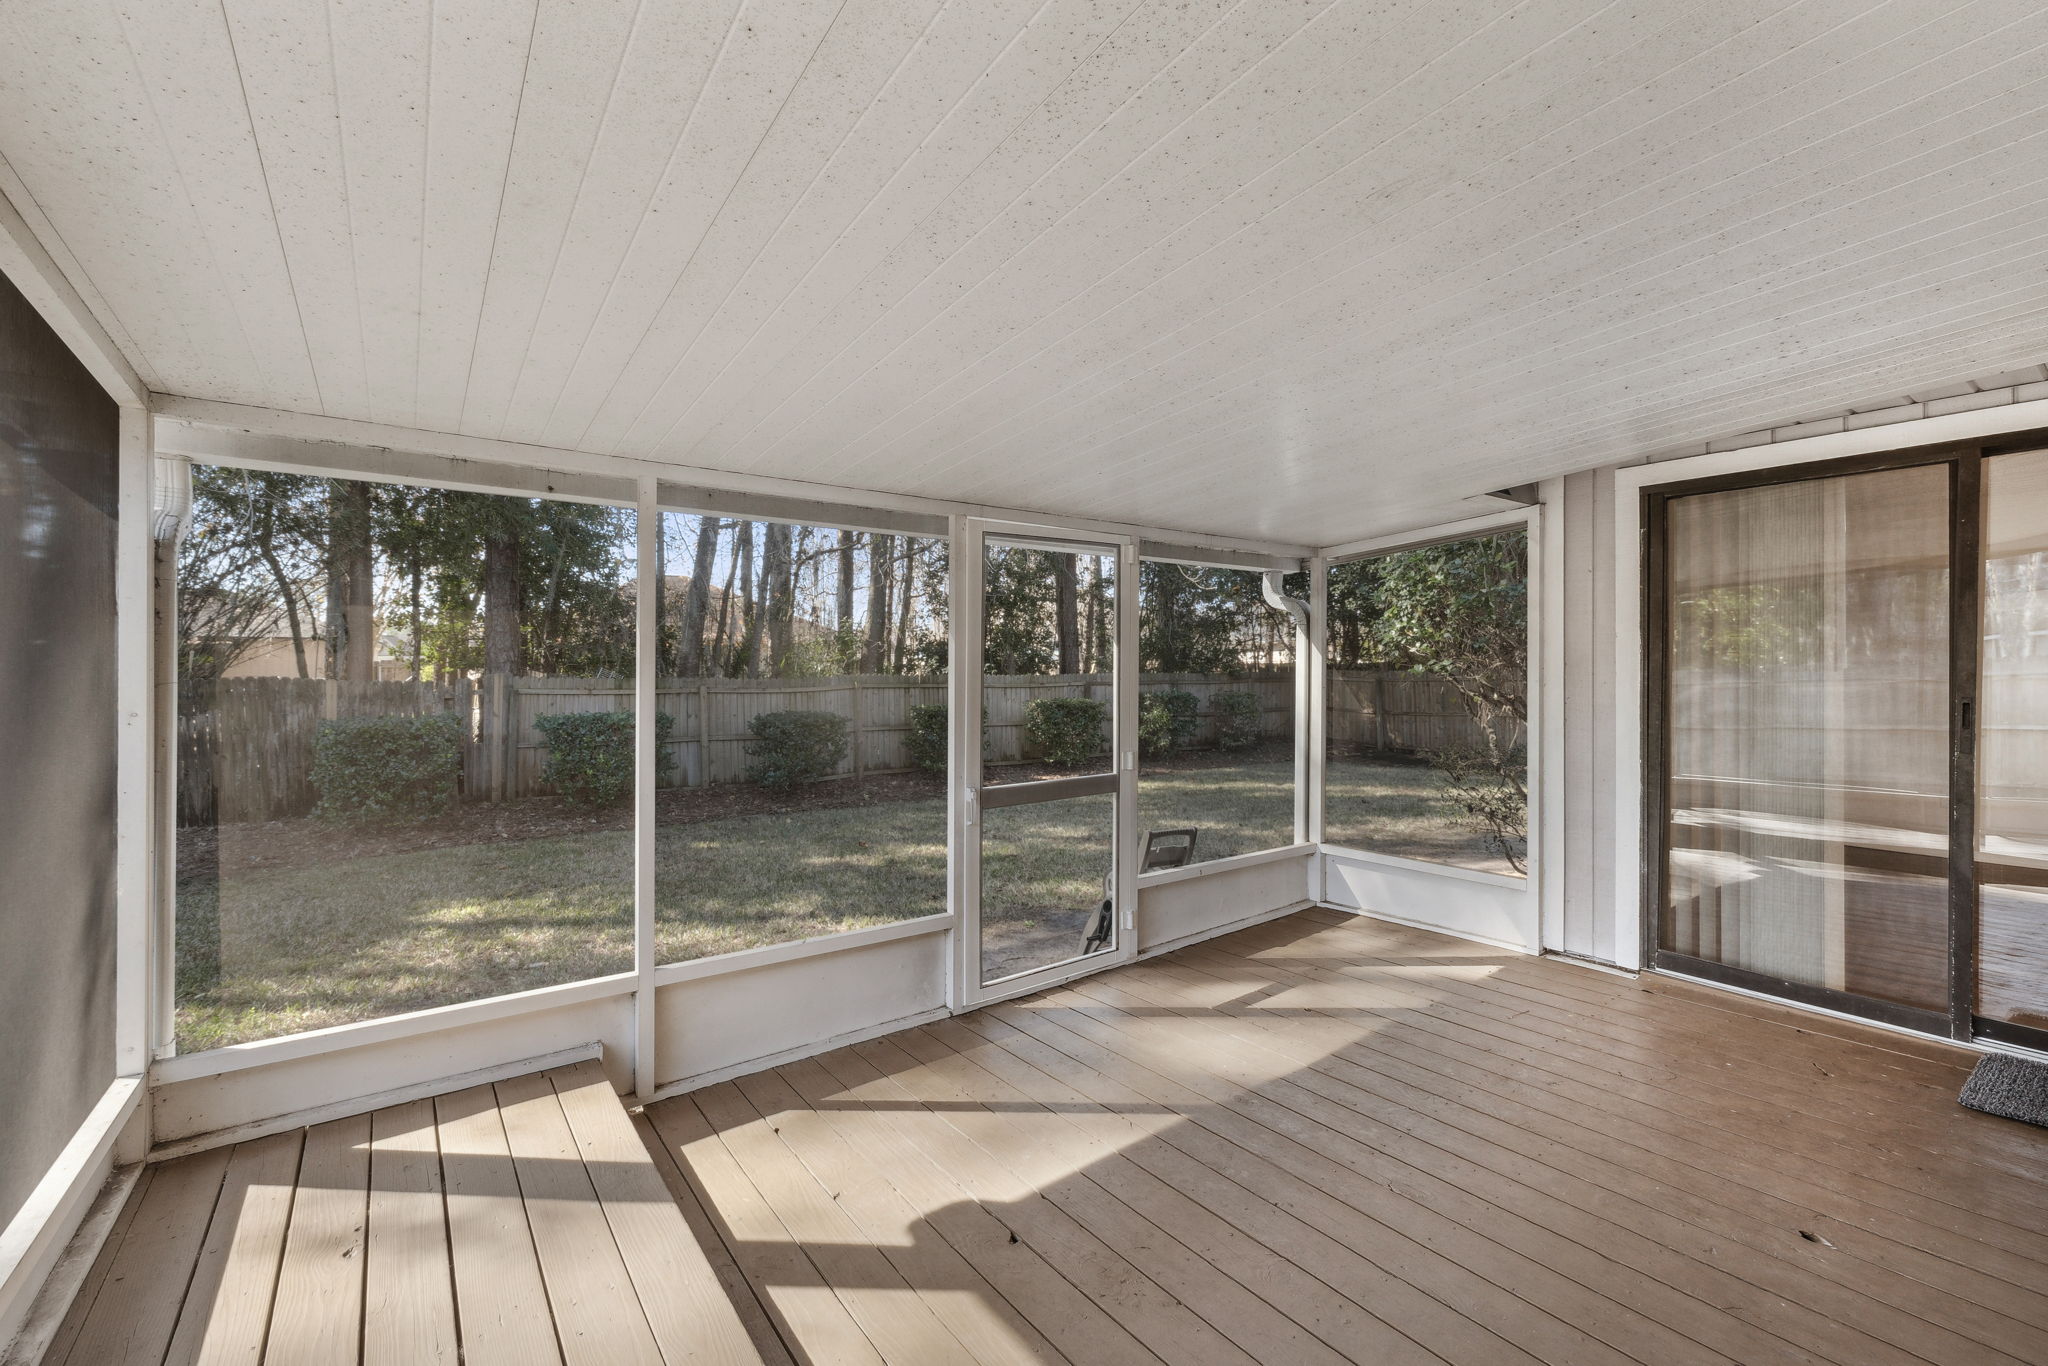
[59, 436]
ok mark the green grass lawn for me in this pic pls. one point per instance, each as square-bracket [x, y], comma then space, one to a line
[272, 951]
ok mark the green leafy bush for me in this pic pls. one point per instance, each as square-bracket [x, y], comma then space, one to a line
[590, 754]
[1066, 730]
[1237, 719]
[794, 747]
[927, 740]
[1166, 721]
[373, 769]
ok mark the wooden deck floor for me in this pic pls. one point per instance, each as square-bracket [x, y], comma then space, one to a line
[524, 1222]
[1328, 1139]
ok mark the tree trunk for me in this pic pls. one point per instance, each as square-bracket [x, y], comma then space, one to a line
[697, 600]
[843, 619]
[1088, 660]
[906, 591]
[501, 601]
[1066, 582]
[778, 592]
[660, 588]
[719, 663]
[351, 618]
[266, 544]
[881, 565]
[749, 662]
[418, 645]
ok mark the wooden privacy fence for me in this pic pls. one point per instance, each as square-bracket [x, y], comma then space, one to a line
[245, 745]
[1391, 711]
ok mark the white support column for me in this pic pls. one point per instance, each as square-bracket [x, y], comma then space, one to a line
[1129, 664]
[963, 768]
[1316, 661]
[135, 751]
[646, 761]
[1547, 794]
[170, 502]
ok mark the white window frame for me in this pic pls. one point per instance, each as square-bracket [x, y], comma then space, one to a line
[1542, 880]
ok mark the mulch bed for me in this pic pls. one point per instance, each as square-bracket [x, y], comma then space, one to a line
[306, 843]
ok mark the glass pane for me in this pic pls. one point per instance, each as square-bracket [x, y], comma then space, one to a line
[1048, 653]
[803, 691]
[404, 738]
[1808, 732]
[1428, 704]
[1045, 883]
[1216, 712]
[2012, 748]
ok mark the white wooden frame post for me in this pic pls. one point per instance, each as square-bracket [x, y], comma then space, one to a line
[646, 765]
[1315, 661]
[963, 768]
[135, 989]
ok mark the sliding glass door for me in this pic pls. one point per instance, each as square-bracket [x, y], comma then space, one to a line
[2011, 837]
[1828, 795]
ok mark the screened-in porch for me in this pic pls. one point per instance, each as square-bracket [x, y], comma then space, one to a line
[926, 682]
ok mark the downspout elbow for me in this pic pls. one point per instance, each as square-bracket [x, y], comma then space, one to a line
[1273, 584]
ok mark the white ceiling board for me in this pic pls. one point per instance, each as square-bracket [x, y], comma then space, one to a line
[1299, 269]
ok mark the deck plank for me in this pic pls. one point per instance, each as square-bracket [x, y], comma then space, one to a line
[746, 1302]
[136, 1310]
[1076, 1324]
[598, 1315]
[802, 1306]
[225, 1320]
[687, 1310]
[988, 1326]
[318, 1316]
[901, 1325]
[505, 1318]
[408, 1295]
[76, 1313]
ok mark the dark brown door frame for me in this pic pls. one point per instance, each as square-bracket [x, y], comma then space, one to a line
[1966, 514]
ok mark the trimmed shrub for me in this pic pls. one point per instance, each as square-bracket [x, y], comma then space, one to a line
[373, 769]
[590, 754]
[790, 748]
[927, 739]
[1237, 719]
[1066, 730]
[1166, 721]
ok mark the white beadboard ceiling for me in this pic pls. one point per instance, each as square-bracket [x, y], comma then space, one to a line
[1281, 268]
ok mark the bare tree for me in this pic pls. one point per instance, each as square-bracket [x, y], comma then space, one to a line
[778, 594]
[1066, 615]
[351, 570]
[844, 618]
[906, 593]
[881, 564]
[501, 601]
[749, 662]
[697, 600]
[266, 546]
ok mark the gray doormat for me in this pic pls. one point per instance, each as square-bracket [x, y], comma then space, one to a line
[2013, 1088]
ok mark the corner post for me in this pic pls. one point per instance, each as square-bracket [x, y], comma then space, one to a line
[646, 761]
